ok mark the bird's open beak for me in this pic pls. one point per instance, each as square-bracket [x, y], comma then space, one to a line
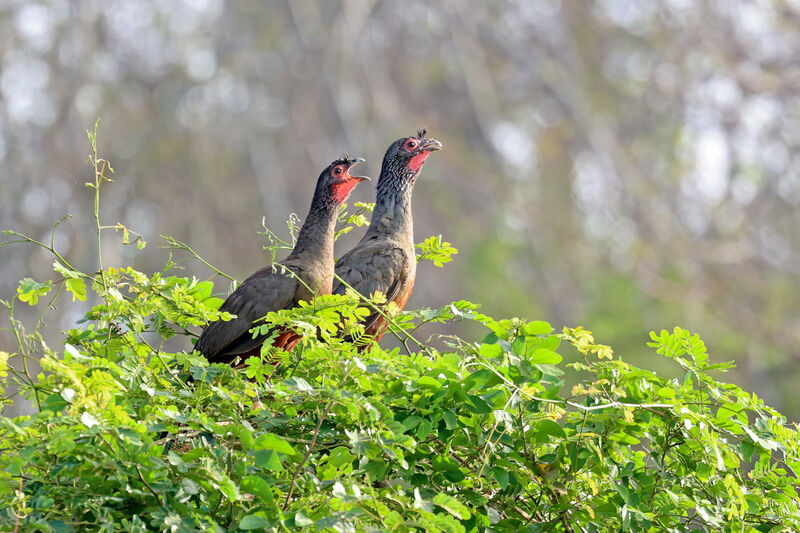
[356, 161]
[431, 145]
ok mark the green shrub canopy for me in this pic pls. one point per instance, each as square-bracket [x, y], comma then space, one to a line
[526, 429]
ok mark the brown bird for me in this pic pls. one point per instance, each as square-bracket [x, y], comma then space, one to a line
[308, 272]
[385, 259]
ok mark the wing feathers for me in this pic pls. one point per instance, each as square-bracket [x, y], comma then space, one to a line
[261, 293]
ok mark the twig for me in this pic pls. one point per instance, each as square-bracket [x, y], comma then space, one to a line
[18, 514]
[491, 434]
[313, 441]
[15, 325]
[308, 453]
[178, 245]
[25, 239]
[146, 484]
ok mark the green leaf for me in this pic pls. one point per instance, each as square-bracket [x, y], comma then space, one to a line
[29, 290]
[253, 521]
[246, 438]
[268, 459]
[270, 441]
[501, 475]
[450, 419]
[302, 520]
[410, 422]
[547, 428]
[747, 449]
[490, 351]
[477, 405]
[452, 506]
[537, 327]
[550, 370]
[704, 471]
[424, 429]
[444, 463]
[436, 250]
[77, 287]
[543, 356]
[54, 403]
[260, 488]
[202, 290]
[189, 486]
[340, 456]
[213, 303]
[731, 410]
[455, 476]
[226, 486]
[427, 382]
[72, 281]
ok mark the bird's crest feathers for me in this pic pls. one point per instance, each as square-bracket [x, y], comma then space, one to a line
[344, 160]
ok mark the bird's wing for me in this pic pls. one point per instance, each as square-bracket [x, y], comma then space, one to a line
[261, 293]
[377, 266]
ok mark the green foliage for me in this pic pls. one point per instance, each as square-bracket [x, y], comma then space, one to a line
[473, 436]
[437, 250]
[29, 290]
[341, 435]
[348, 221]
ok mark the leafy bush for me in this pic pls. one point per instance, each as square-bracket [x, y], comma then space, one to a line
[475, 435]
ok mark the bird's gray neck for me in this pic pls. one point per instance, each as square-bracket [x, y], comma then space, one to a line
[392, 214]
[315, 240]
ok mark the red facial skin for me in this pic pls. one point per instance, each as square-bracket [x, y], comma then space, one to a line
[342, 189]
[416, 162]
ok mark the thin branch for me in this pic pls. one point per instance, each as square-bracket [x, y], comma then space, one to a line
[308, 453]
[19, 513]
[146, 484]
[313, 440]
[29, 240]
[175, 244]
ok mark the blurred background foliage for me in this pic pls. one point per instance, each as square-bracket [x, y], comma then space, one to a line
[625, 165]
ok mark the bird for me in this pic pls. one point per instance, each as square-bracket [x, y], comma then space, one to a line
[385, 259]
[305, 273]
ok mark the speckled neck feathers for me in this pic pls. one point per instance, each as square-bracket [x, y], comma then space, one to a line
[315, 240]
[392, 214]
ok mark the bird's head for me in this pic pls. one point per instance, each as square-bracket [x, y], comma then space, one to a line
[336, 183]
[404, 159]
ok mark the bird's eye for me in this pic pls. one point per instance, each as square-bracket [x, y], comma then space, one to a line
[337, 170]
[411, 144]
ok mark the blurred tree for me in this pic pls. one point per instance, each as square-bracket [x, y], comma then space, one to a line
[624, 164]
